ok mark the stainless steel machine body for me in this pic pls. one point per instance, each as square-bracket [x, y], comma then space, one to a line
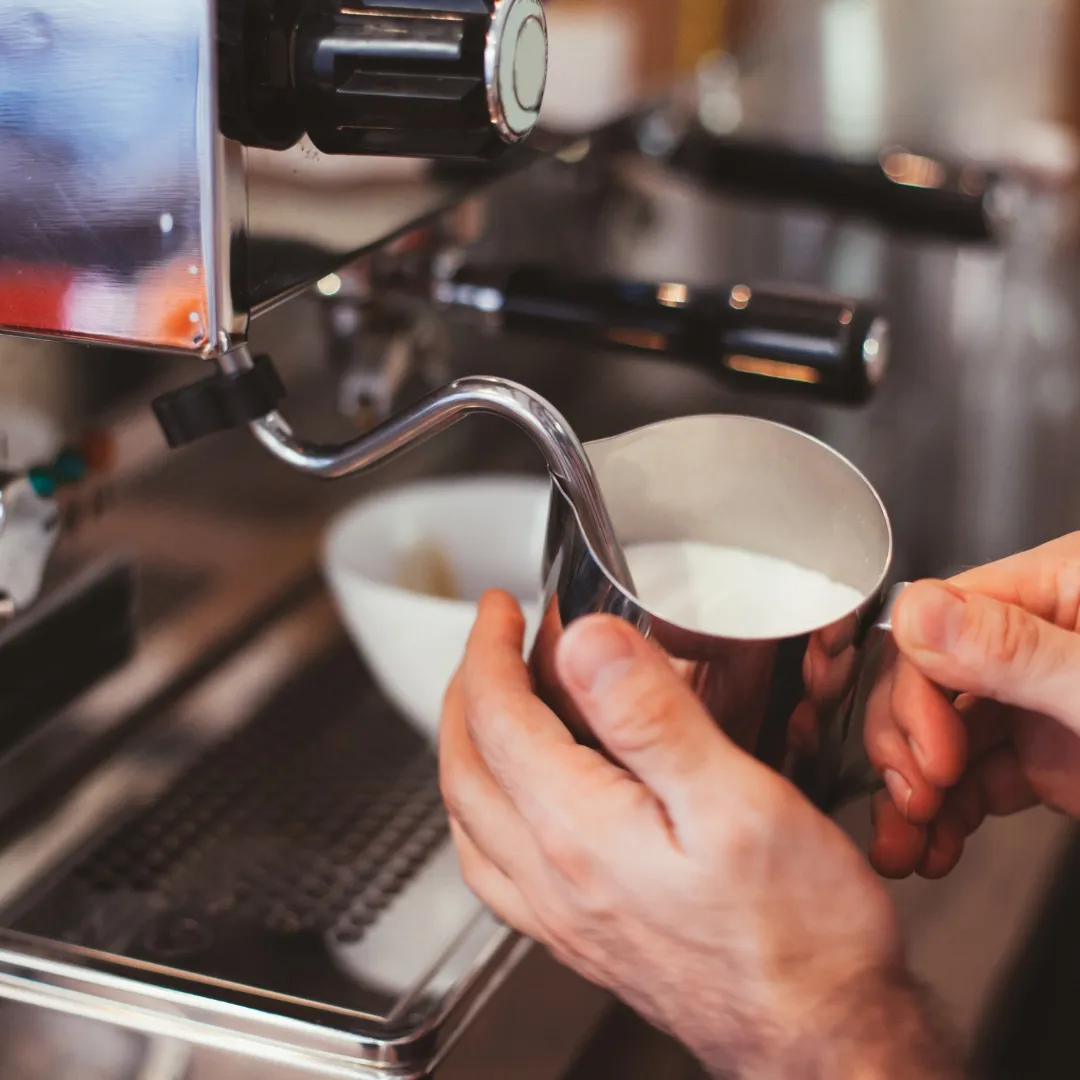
[130, 218]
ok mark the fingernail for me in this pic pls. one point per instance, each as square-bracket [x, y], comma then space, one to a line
[917, 751]
[936, 622]
[598, 655]
[900, 790]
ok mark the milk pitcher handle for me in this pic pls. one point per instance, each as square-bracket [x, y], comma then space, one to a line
[883, 625]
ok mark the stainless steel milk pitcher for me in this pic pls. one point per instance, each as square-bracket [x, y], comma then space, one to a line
[794, 703]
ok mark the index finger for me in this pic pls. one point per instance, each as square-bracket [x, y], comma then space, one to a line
[1034, 580]
[527, 748]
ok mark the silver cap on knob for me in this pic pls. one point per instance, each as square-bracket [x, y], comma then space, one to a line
[516, 60]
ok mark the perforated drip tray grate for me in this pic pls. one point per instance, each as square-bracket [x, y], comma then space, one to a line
[280, 845]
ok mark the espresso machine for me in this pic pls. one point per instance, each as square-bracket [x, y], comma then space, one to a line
[211, 826]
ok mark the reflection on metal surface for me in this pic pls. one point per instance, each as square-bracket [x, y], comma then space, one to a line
[108, 172]
[740, 297]
[516, 66]
[129, 219]
[773, 369]
[672, 295]
[914, 170]
[29, 530]
[42, 1045]
[876, 351]
[329, 285]
[637, 339]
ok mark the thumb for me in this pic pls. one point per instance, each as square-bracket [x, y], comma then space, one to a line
[972, 644]
[639, 708]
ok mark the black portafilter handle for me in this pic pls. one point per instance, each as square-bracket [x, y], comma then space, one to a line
[771, 339]
[900, 190]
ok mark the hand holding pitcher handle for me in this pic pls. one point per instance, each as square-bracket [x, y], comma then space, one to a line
[1006, 637]
[841, 661]
[673, 868]
[695, 882]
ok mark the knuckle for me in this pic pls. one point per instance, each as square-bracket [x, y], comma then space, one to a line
[484, 714]
[1066, 587]
[747, 844]
[458, 792]
[644, 722]
[471, 872]
[574, 939]
[742, 844]
[741, 851]
[564, 850]
[629, 801]
[880, 727]
[494, 715]
[1010, 639]
[499, 607]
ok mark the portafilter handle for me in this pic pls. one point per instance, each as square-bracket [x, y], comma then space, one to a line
[906, 192]
[758, 338]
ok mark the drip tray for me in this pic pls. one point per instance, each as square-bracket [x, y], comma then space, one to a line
[278, 849]
[298, 863]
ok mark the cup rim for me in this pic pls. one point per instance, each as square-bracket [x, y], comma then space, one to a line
[697, 637]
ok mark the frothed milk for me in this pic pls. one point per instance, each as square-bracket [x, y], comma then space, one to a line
[732, 593]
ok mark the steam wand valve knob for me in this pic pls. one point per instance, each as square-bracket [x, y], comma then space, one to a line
[460, 79]
[220, 402]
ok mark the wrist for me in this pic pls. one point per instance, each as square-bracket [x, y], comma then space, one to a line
[879, 1025]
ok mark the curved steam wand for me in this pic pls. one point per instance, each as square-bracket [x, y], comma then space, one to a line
[563, 452]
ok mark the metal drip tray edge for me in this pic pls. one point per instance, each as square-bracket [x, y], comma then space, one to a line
[105, 991]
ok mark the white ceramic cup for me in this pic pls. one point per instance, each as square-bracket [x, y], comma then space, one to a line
[484, 532]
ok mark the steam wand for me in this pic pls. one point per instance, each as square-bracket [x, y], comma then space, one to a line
[565, 456]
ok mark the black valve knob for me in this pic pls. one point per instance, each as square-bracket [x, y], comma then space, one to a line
[218, 403]
[256, 101]
[448, 79]
[421, 78]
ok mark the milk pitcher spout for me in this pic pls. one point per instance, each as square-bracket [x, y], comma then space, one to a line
[780, 661]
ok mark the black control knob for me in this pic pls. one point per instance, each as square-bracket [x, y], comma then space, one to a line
[218, 403]
[420, 78]
[256, 100]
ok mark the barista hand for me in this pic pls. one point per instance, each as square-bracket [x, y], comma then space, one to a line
[1008, 637]
[688, 879]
